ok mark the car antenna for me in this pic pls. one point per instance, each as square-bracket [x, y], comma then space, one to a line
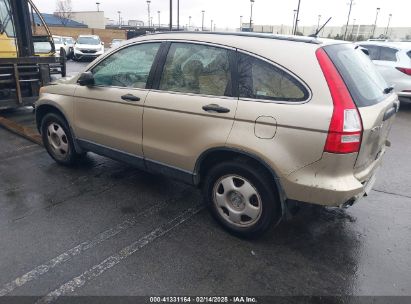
[320, 29]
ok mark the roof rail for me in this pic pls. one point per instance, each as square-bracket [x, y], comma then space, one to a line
[303, 39]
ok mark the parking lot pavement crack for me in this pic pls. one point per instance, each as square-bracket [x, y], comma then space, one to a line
[77, 250]
[116, 258]
[391, 193]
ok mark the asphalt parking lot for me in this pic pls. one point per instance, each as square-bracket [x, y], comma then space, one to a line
[104, 228]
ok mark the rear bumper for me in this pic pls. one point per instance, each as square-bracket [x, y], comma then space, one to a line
[331, 181]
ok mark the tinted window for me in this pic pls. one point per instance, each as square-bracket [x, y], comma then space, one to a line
[129, 67]
[199, 69]
[261, 80]
[374, 51]
[5, 18]
[365, 84]
[388, 54]
[57, 40]
[409, 54]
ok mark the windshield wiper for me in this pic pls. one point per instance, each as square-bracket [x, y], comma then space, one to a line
[388, 90]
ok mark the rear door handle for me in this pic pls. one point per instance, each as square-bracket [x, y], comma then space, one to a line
[130, 97]
[215, 108]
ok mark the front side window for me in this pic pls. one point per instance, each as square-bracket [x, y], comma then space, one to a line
[260, 80]
[129, 67]
[6, 22]
[388, 54]
[198, 69]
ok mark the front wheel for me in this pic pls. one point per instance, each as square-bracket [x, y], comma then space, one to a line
[242, 197]
[57, 139]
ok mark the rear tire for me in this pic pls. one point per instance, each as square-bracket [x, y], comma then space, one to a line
[58, 140]
[242, 197]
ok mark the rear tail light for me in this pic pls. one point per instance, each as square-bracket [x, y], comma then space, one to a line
[345, 131]
[404, 70]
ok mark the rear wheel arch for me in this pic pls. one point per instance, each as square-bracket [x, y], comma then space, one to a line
[215, 156]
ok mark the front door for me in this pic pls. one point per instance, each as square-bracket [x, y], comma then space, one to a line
[192, 107]
[109, 114]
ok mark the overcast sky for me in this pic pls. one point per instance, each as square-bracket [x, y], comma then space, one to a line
[226, 13]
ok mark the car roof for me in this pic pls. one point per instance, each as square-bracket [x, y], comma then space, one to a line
[398, 44]
[240, 35]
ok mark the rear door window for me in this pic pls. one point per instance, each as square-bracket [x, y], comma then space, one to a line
[197, 69]
[363, 81]
[259, 79]
[388, 54]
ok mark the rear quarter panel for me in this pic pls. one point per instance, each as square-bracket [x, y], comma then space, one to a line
[301, 127]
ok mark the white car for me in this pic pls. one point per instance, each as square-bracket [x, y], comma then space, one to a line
[393, 61]
[116, 42]
[69, 41]
[60, 45]
[88, 47]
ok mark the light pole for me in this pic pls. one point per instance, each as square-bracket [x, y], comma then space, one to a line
[319, 19]
[189, 22]
[241, 23]
[388, 25]
[148, 13]
[296, 17]
[178, 15]
[98, 6]
[171, 15]
[202, 22]
[375, 23]
[352, 30]
[295, 12]
[251, 15]
[348, 19]
[151, 22]
[119, 18]
[211, 27]
[159, 20]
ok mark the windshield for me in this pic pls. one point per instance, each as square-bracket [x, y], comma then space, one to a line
[57, 40]
[68, 40]
[88, 40]
[364, 82]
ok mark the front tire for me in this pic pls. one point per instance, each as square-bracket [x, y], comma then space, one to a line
[58, 140]
[242, 197]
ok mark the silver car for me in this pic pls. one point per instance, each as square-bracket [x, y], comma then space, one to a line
[393, 61]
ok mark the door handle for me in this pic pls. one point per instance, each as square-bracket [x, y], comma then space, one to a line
[215, 108]
[130, 97]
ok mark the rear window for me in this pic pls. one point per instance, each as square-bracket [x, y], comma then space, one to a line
[363, 81]
[388, 54]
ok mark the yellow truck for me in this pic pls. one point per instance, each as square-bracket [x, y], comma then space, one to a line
[26, 58]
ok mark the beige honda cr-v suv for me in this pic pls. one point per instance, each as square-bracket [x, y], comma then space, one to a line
[259, 122]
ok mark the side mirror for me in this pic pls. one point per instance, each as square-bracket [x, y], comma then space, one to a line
[102, 43]
[86, 79]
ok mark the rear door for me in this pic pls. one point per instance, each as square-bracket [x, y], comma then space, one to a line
[366, 86]
[191, 107]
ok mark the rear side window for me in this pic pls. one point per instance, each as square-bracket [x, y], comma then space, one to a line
[363, 81]
[260, 80]
[388, 54]
[374, 51]
[409, 54]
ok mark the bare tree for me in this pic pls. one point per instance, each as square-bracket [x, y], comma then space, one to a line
[64, 11]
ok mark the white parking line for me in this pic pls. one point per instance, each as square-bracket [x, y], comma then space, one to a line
[113, 260]
[64, 257]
